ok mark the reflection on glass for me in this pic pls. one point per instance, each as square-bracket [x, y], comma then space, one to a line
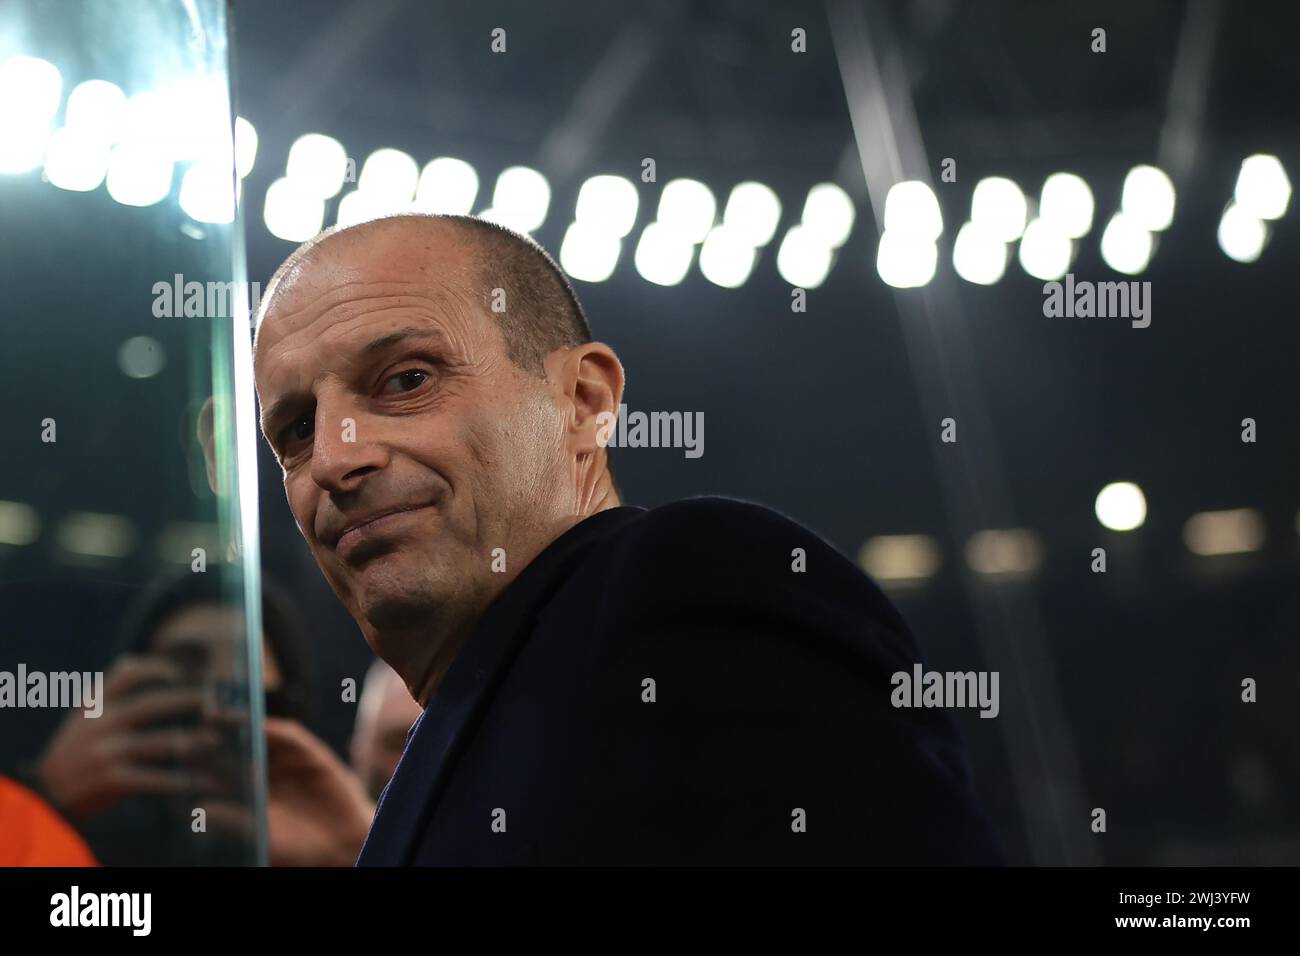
[130, 730]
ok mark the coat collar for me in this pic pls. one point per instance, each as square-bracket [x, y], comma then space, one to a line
[434, 738]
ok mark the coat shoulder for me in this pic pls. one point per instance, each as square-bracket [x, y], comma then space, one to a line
[741, 553]
[727, 526]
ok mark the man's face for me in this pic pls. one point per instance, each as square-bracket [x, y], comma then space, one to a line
[411, 445]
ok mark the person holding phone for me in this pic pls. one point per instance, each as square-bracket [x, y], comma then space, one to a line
[172, 737]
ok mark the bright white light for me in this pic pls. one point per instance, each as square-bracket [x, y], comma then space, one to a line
[30, 89]
[317, 165]
[1044, 251]
[143, 121]
[521, 198]
[753, 210]
[76, 161]
[1126, 246]
[292, 212]
[1121, 506]
[906, 260]
[138, 175]
[1066, 204]
[998, 208]
[208, 192]
[911, 210]
[979, 255]
[828, 214]
[447, 186]
[804, 257]
[245, 146]
[589, 253]
[1263, 189]
[1241, 235]
[188, 119]
[361, 206]
[687, 206]
[23, 147]
[390, 177]
[608, 204]
[663, 256]
[727, 257]
[1148, 198]
[95, 109]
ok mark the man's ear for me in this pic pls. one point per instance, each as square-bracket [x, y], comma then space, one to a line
[205, 430]
[591, 378]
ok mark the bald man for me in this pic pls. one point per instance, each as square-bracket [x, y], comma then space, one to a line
[707, 682]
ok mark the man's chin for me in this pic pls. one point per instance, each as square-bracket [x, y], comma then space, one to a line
[394, 605]
[388, 589]
[401, 589]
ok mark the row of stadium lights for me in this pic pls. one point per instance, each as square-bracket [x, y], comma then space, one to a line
[131, 145]
[390, 181]
[894, 560]
[907, 560]
[1048, 231]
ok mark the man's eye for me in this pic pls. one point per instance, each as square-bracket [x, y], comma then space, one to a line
[406, 381]
[301, 429]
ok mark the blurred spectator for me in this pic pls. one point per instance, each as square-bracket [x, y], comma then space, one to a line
[385, 713]
[173, 733]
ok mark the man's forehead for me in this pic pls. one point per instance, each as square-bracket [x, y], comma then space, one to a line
[436, 257]
[346, 276]
[357, 320]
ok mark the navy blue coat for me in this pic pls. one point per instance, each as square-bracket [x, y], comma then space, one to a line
[770, 738]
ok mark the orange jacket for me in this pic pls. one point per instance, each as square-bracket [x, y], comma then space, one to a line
[33, 834]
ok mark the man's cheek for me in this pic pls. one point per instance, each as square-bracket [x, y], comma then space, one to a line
[304, 516]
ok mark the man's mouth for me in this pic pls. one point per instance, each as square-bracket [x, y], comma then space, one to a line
[374, 528]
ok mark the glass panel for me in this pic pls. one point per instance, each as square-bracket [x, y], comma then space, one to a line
[127, 717]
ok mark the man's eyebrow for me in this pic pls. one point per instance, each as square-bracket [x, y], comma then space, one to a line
[401, 335]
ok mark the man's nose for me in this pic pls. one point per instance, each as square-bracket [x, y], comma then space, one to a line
[343, 452]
